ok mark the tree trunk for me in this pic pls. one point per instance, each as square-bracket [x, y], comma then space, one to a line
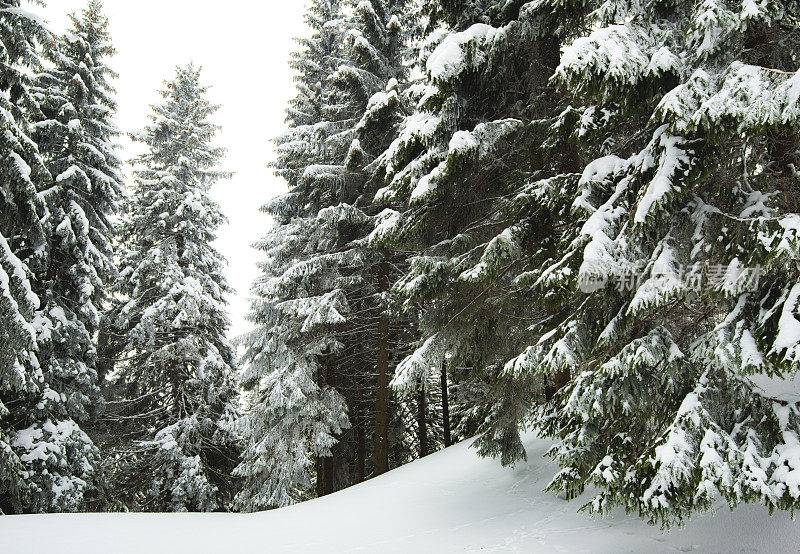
[176, 381]
[381, 461]
[327, 472]
[106, 351]
[556, 383]
[328, 462]
[422, 423]
[320, 467]
[360, 449]
[448, 440]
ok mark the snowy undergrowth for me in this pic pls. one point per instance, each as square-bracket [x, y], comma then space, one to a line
[451, 501]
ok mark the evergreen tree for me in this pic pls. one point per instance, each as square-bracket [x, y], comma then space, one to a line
[453, 176]
[74, 133]
[372, 81]
[47, 463]
[178, 372]
[320, 324]
[296, 414]
[22, 248]
[683, 118]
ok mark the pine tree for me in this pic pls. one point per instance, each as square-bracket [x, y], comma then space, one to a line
[296, 413]
[47, 463]
[683, 119]
[22, 248]
[319, 314]
[372, 80]
[453, 176]
[177, 377]
[74, 133]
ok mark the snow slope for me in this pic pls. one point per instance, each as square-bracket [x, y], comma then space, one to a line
[451, 501]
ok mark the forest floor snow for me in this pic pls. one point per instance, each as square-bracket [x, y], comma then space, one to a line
[451, 501]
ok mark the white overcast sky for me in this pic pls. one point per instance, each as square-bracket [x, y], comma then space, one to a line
[243, 47]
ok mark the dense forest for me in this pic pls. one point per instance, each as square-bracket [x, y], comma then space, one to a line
[570, 216]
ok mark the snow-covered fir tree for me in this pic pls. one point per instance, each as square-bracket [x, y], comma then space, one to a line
[177, 377]
[452, 176]
[669, 278]
[22, 248]
[372, 82]
[320, 327]
[47, 463]
[74, 132]
[295, 414]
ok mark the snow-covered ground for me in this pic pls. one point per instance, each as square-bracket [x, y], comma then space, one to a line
[451, 501]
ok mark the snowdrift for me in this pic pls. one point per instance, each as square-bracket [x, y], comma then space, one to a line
[451, 501]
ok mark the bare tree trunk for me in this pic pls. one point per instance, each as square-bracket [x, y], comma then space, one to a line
[327, 473]
[320, 467]
[360, 449]
[448, 439]
[328, 462]
[381, 461]
[422, 422]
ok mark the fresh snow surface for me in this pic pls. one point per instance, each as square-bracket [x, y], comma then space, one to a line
[451, 501]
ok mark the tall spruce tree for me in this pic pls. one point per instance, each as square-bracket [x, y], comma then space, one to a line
[453, 175]
[22, 249]
[74, 132]
[296, 414]
[321, 329]
[684, 120]
[177, 376]
[371, 81]
[48, 463]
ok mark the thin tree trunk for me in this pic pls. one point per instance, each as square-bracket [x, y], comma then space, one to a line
[381, 461]
[327, 472]
[360, 449]
[177, 392]
[448, 440]
[179, 380]
[422, 423]
[320, 467]
[106, 353]
[328, 462]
